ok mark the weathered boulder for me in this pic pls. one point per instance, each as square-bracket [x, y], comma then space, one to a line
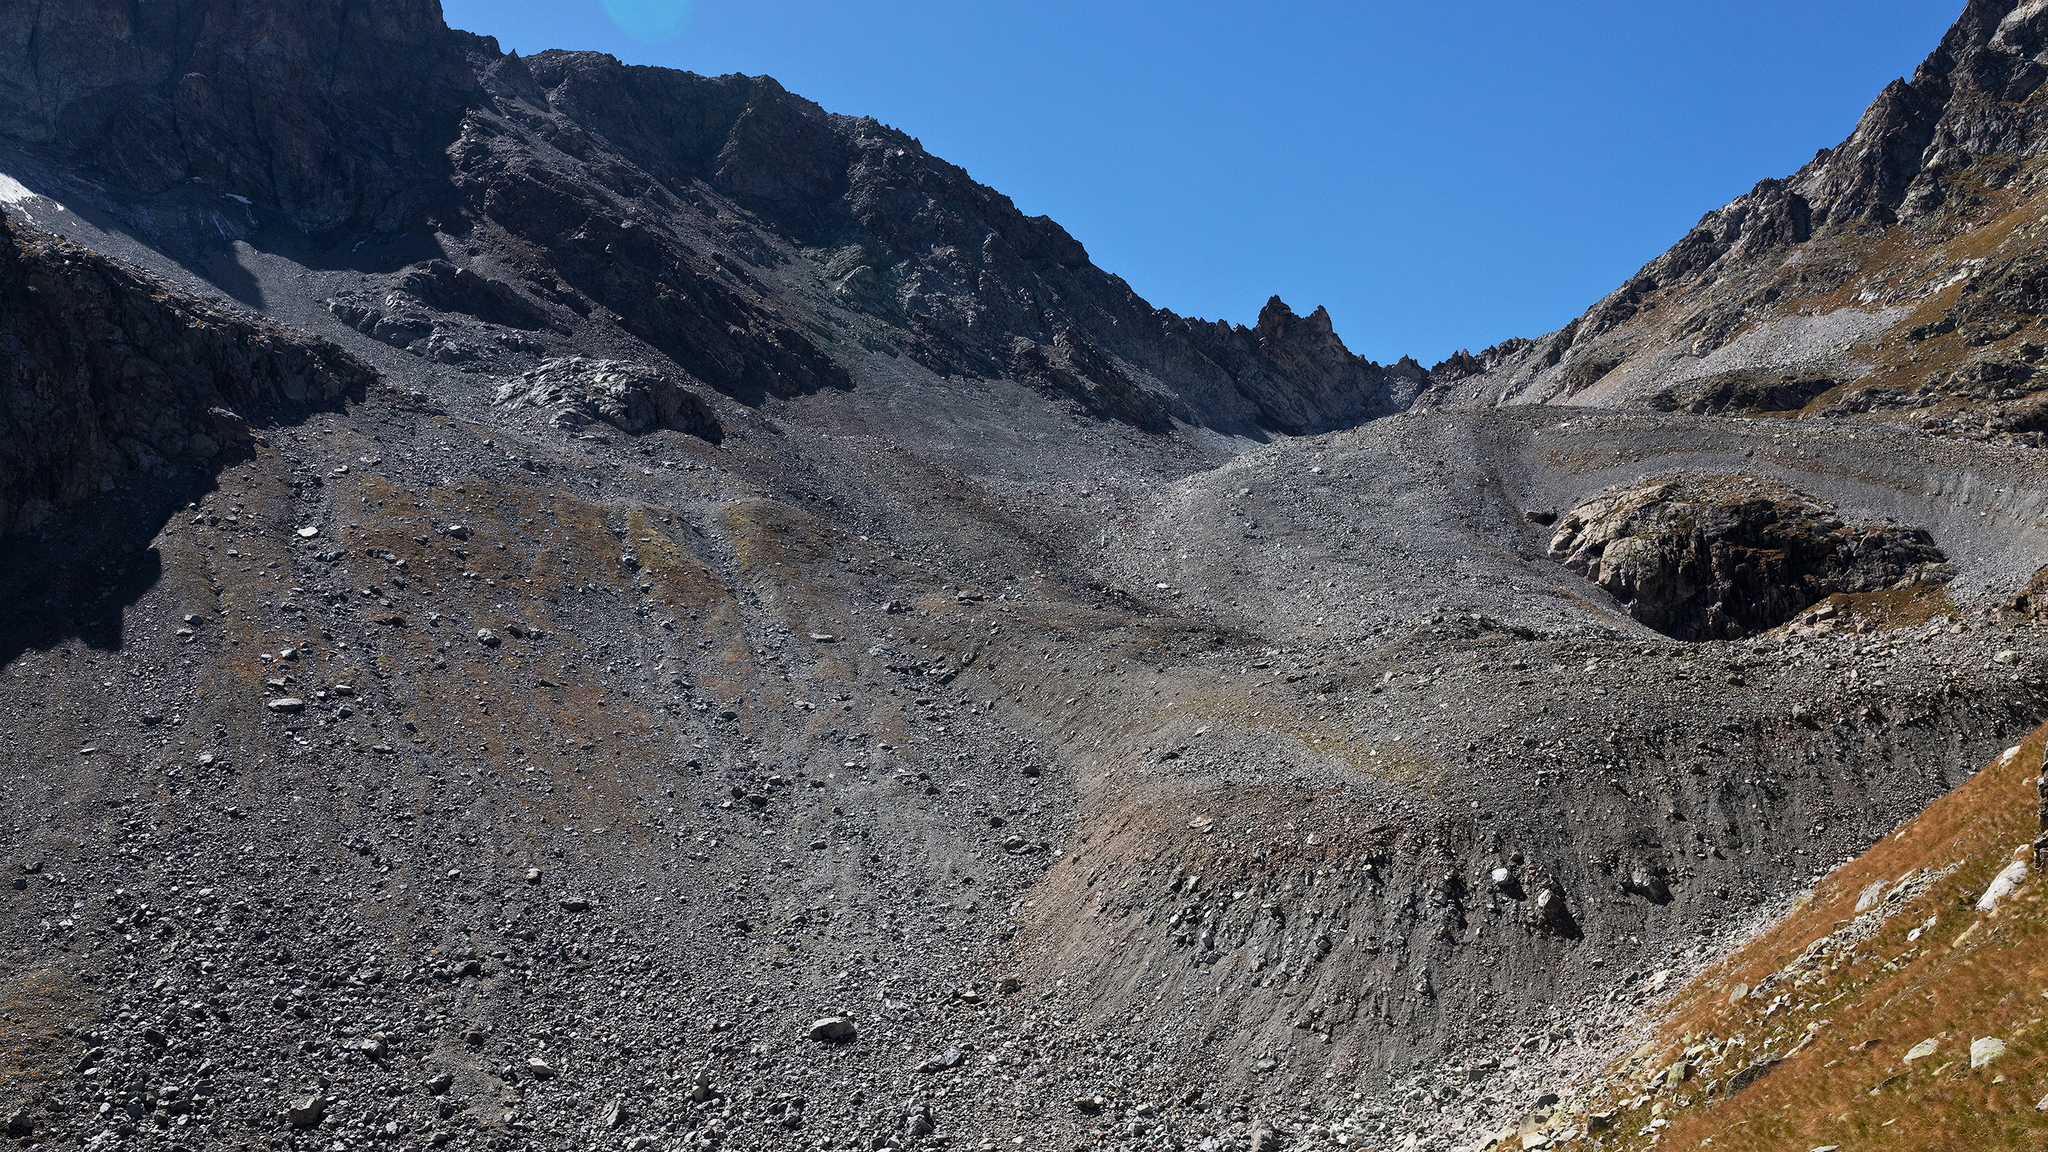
[632, 398]
[1717, 557]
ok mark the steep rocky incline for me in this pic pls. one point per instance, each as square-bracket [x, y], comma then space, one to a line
[1893, 277]
[754, 239]
[793, 656]
[106, 372]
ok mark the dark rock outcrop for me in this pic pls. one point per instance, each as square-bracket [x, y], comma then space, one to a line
[333, 114]
[660, 197]
[1718, 557]
[105, 371]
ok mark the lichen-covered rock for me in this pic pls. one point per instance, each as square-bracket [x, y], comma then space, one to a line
[1716, 557]
[632, 398]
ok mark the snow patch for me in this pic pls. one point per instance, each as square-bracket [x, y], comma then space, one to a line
[12, 191]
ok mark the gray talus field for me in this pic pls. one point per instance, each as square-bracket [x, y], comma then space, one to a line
[556, 603]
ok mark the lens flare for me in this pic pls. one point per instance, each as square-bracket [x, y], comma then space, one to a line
[649, 19]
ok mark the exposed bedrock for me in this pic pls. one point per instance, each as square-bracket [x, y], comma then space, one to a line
[105, 371]
[1719, 557]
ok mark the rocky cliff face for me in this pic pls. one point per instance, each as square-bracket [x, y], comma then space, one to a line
[335, 115]
[722, 220]
[106, 373]
[1889, 278]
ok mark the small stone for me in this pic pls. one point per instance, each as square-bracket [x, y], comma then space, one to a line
[286, 704]
[2006, 657]
[306, 1111]
[308, 532]
[21, 1125]
[488, 637]
[1008, 984]
[1089, 1105]
[1985, 1049]
[1922, 1050]
[1738, 993]
[824, 638]
[833, 1029]
[616, 1114]
[439, 1085]
[575, 904]
[1599, 1121]
[539, 1069]
[950, 1058]
[533, 875]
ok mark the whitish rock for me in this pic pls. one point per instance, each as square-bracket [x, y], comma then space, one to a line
[1922, 1050]
[287, 704]
[1985, 1049]
[2002, 886]
[1871, 894]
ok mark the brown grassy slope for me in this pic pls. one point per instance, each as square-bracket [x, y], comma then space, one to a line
[1799, 1039]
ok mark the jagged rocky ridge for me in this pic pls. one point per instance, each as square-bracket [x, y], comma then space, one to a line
[596, 176]
[1822, 290]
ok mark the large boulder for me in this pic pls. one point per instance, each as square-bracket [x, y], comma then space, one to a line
[635, 399]
[1717, 557]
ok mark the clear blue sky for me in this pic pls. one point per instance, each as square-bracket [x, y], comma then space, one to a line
[1438, 174]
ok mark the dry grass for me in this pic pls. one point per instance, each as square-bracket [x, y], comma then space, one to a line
[1869, 998]
[1891, 608]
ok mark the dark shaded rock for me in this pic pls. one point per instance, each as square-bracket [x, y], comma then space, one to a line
[1647, 881]
[107, 371]
[334, 114]
[1074, 368]
[445, 287]
[1757, 390]
[1712, 557]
